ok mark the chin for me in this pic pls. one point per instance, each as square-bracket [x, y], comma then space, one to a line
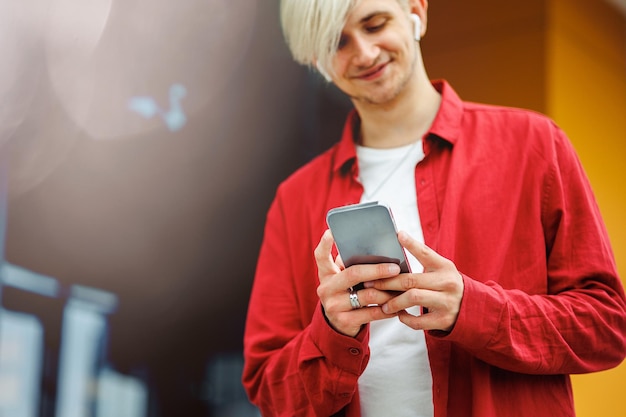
[385, 96]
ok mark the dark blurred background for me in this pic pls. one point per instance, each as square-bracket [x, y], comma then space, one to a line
[141, 142]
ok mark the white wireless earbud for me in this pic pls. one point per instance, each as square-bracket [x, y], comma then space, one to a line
[418, 26]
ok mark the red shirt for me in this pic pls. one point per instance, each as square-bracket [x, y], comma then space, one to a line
[502, 194]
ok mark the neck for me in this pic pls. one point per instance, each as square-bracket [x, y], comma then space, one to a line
[402, 121]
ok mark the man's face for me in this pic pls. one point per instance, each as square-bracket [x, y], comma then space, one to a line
[377, 52]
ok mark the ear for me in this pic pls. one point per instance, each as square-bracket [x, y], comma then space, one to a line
[419, 8]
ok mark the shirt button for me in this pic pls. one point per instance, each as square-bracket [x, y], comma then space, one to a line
[344, 394]
[422, 181]
[354, 351]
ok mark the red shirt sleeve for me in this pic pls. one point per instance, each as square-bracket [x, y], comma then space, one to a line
[579, 325]
[295, 363]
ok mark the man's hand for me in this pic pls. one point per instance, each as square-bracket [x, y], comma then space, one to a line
[335, 282]
[439, 289]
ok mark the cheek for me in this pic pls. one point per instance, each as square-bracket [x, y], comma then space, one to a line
[401, 47]
[340, 65]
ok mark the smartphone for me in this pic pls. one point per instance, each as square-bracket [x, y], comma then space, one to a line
[366, 233]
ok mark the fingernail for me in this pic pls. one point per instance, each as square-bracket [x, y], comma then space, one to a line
[385, 309]
[368, 284]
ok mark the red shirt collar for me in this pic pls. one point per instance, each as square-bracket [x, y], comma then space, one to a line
[446, 126]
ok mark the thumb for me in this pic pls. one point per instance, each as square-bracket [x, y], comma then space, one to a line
[429, 259]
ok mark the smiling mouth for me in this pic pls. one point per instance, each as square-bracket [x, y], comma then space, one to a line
[372, 74]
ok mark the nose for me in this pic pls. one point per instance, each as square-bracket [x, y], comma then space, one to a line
[364, 51]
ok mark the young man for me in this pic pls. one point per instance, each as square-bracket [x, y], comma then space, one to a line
[509, 255]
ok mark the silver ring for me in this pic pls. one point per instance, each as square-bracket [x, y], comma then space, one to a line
[354, 299]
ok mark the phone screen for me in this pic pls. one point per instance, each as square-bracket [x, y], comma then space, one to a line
[366, 234]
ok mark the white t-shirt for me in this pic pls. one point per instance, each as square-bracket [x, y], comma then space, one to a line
[397, 381]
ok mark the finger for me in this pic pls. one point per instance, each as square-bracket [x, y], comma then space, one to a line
[351, 322]
[443, 308]
[357, 274]
[407, 299]
[430, 321]
[341, 302]
[370, 297]
[404, 282]
[323, 255]
[430, 259]
[420, 322]
[348, 320]
[372, 313]
[339, 262]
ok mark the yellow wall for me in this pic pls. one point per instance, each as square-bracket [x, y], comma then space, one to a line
[565, 58]
[586, 91]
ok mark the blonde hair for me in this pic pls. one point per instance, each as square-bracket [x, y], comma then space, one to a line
[312, 29]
